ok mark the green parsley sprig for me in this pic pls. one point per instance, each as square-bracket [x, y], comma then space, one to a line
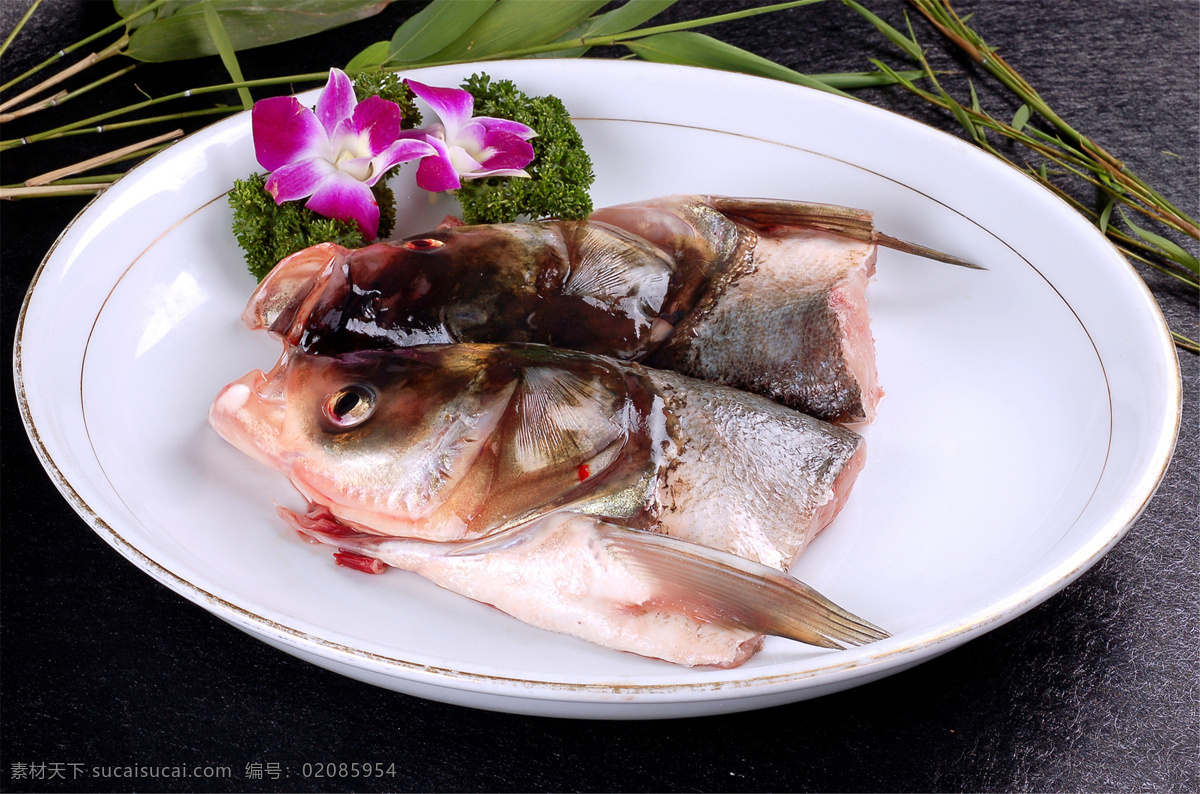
[560, 175]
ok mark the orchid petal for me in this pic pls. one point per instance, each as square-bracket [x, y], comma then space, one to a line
[377, 119]
[401, 151]
[462, 160]
[472, 136]
[298, 180]
[484, 174]
[343, 197]
[285, 131]
[453, 105]
[507, 125]
[505, 151]
[336, 102]
[435, 172]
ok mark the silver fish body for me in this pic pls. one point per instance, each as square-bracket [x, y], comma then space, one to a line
[763, 295]
[543, 457]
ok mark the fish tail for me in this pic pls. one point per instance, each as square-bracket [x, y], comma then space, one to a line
[718, 587]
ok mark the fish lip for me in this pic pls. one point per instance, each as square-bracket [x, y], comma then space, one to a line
[248, 413]
[289, 283]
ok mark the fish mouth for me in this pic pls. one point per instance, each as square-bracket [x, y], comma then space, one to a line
[249, 414]
[289, 283]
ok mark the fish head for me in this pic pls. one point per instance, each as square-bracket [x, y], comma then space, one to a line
[446, 285]
[447, 441]
[381, 438]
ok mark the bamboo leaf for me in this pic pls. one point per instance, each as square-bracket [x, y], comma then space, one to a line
[975, 106]
[127, 8]
[687, 48]
[910, 47]
[1172, 249]
[961, 114]
[1021, 118]
[433, 28]
[516, 24]
[372, 56]
[628, 16]
[848, 81]
[620, 20]
[1104, 216]
[249, 23]
[225, 48]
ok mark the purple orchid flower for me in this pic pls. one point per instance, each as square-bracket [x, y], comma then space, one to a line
[467, 147]
[335, 154]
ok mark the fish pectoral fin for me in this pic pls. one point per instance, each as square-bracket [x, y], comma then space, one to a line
[721, 588]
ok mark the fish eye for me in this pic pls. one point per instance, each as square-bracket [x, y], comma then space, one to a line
[423, 244]
[350, 406]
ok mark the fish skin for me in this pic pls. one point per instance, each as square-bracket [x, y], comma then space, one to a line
[677, 461]
[764, 295]
[794, 329]
[777, 475]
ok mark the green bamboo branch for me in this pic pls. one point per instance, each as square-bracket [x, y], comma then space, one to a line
[191, 92]
[317, 77]
[1065, 156]
[946, 20]
[20, 24]
[1189, 345]
[120, 23]
[1066, 149]
[123, 125]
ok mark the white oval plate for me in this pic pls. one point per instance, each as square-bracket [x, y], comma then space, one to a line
[1030, 412]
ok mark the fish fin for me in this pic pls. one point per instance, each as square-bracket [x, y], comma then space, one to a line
[611, 264]
[288, 282]
[766, 214]
[919, 250]
[563, 416]
[718, 587]
[856, 224]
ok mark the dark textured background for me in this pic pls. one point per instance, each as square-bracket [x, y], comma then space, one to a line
[1095, 690]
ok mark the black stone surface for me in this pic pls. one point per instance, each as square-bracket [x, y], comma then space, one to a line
[1096, 690]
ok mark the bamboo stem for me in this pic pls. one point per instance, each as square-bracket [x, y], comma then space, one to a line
[69, 72]
[99, 160]
[48, 102]
[74, 181]
[64, 96]
[210, 89]
[52, 190]
[154, 6]
[123, 125]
